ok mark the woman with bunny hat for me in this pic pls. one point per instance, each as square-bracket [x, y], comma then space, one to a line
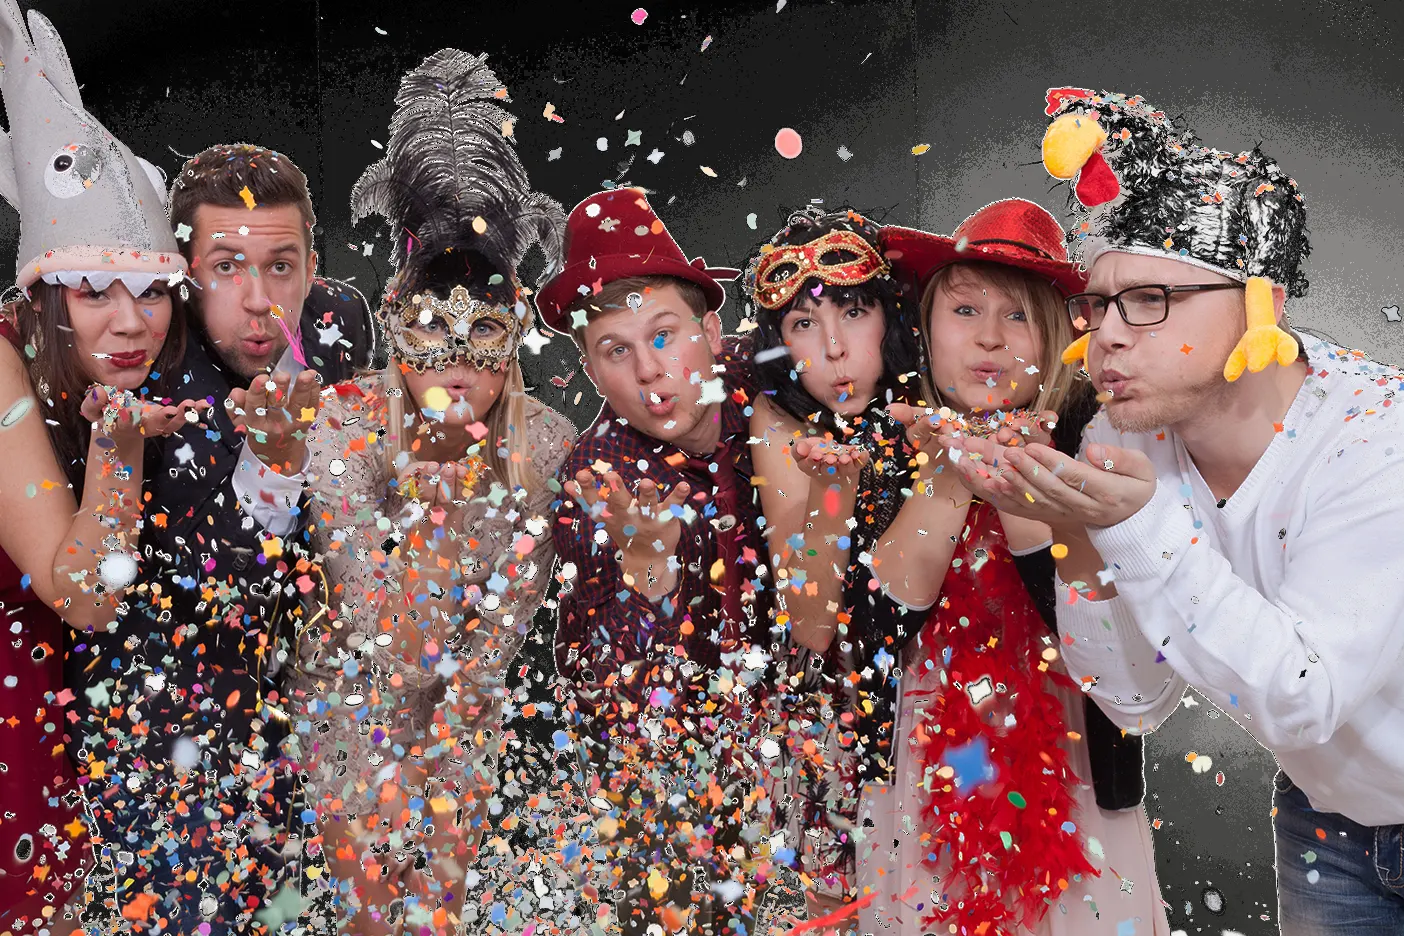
[85, 376]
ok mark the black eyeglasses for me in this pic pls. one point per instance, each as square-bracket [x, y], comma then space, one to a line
[1139, 305]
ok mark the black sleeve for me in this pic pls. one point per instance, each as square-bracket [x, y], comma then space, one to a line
[876, 617]
[1077, 411]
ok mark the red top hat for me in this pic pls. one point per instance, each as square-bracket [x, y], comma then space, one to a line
[1013, 232]
[615, 234]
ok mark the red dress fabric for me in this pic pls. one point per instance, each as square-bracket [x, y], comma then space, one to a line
[40, 844]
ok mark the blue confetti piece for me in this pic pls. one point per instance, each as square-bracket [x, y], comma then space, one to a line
[844, 542]
[1068, 827]
[561, 740]
[971, 763]
[24, 583]
[658, 342]
[309, 816]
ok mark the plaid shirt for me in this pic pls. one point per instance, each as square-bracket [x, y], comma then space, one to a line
[604, 623]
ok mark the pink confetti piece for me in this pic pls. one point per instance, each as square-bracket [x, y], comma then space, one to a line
[294, 341]
[638, 16]
[788, 143]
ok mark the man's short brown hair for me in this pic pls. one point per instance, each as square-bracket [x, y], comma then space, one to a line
[220, 175]
[615, 295]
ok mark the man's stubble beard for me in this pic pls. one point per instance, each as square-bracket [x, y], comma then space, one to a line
[1189, 403]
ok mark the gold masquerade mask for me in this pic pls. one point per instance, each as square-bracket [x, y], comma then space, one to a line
[429, 332]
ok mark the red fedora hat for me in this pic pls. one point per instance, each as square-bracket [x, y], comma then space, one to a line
[615, 234]
[1013, 232]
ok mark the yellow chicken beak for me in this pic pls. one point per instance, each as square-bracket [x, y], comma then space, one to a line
[1069, 142]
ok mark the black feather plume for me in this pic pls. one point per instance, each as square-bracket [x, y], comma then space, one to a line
[448, 163]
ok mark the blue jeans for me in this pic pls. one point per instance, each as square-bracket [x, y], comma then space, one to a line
[1352, 881]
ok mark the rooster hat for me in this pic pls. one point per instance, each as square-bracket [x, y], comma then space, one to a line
[1143, 184]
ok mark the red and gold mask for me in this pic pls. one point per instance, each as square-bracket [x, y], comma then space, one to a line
[782, 271]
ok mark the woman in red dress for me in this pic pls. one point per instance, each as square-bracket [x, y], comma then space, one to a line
[99, 320]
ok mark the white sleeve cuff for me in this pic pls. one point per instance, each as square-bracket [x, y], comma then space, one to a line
[270, 498]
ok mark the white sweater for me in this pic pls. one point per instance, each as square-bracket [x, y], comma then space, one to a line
[1285, 607]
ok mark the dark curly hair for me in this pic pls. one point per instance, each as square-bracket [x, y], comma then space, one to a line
[901, 342]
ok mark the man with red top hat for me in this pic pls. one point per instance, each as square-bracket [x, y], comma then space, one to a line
[662, 563]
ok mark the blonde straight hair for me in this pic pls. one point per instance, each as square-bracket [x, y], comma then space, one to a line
[506, 420]
[1040, 301]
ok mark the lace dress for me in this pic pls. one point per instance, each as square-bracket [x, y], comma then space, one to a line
[360, 708]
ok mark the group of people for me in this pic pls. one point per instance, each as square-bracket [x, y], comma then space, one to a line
[883, 589]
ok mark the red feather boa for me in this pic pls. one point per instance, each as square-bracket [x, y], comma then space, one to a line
[994, 632]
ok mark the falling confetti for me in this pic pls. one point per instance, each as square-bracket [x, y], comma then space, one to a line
[788, 143]
[638, 16]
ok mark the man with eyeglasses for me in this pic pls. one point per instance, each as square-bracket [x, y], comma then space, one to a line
[1228, 524]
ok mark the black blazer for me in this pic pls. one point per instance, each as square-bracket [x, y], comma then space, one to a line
[203, 552]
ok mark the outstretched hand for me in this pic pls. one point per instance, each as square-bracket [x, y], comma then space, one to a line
[275, 413]
[1040, 483]
[644, 527]
[826, 460]
[126, 419]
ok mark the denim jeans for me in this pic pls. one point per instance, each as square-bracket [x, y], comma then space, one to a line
[1351, 881]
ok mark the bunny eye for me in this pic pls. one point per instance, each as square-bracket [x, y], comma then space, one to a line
[72, 170]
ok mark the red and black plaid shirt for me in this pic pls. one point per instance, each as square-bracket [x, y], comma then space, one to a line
[603, 623]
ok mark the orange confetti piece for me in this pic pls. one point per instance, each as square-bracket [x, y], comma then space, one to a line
[140, 907]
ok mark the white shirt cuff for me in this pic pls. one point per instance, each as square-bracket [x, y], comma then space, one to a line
[270, 498]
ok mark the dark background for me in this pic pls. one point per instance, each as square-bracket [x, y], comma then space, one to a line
[1318, 83]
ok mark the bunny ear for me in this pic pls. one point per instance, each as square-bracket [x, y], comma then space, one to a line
[54, 56]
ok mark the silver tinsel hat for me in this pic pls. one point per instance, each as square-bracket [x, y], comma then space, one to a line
[1144, 184]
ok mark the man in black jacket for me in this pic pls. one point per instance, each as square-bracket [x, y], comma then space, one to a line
[184, 713]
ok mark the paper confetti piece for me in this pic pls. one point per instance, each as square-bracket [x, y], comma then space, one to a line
[788, 143]
[920, 148]
[248, 198]
[638, 16]
[16, 412]
[707, 171]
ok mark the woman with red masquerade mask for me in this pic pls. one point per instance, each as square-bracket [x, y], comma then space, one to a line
[836, 341]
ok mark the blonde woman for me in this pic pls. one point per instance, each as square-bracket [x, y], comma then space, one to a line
[431, 510]
[1010, 809]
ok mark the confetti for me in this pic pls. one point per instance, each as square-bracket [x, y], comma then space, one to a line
[638, 16]
[248, 198]
[788, 143]
[920, 148]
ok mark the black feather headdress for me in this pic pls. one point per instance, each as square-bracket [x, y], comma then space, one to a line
[451, 177]
[1240, 215]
